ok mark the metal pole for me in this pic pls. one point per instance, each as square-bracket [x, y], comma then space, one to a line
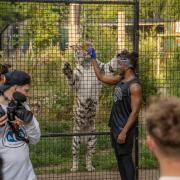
[121, 31]
[125, 2]
[136, 26]
[74, 134]
[136, 49]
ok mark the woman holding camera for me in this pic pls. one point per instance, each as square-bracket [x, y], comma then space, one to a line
[15, 136]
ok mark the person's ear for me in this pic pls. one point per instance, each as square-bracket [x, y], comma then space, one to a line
[14, 88]
[151, 143]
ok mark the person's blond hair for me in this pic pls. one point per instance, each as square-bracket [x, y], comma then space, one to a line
[163, 123]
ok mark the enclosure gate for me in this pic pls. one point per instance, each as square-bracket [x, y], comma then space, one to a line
[39, 36]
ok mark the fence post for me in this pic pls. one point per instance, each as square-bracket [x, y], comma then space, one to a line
[74, 23]
[121, 31]
[136, 49]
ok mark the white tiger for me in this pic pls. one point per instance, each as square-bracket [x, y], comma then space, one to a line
[87, 88]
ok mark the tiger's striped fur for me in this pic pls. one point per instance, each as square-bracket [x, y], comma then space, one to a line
[87, 88]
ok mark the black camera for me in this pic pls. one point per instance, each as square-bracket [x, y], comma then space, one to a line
[16, 109]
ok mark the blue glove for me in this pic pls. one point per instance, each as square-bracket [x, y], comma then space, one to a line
[92, 53]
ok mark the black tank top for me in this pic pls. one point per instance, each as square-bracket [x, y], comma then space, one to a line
[121, 106]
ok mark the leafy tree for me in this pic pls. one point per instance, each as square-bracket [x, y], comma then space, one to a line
[9, 15]
[159, 9]
[43, 21]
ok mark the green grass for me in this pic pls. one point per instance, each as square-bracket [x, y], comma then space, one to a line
[51, 151]
[55, 126]
[105, 160]
[54, 155]
[146, 158]
[57, 152]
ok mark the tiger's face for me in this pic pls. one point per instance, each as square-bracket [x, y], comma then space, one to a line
[81, 55]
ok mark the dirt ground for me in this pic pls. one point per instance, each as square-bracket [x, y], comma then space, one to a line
[149, 174]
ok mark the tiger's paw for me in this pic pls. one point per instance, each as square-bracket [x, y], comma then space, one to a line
[67, 69]
[90, 168]
[74, 169]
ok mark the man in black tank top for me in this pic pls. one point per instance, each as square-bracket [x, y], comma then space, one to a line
[126, 106]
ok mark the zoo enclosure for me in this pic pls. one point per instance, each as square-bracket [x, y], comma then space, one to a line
[38, 36]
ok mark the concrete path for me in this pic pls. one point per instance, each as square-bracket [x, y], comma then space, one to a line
[149, 174]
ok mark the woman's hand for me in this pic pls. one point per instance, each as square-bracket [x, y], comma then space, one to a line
[18, 121]
[3, 120]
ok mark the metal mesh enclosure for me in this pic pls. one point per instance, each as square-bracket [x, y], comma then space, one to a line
[40, 36]
[158, 65]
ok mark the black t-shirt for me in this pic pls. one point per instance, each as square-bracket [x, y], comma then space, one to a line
[121, 106]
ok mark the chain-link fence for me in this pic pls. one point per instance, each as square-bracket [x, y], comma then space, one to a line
[42, 38]
[159, 36]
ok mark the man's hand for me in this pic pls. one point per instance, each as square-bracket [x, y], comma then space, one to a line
[121, 137]
[92, 53]
[3, 120]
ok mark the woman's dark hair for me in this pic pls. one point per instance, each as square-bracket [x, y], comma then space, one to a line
[4, 68]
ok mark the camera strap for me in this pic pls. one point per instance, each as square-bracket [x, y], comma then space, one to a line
[16, 131]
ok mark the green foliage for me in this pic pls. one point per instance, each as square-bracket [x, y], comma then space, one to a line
[146, 158]
[159, 9]
[104, 37]
[9, 14]
[148, 66]
[43, 21]
[173, 73]
[105, 12]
